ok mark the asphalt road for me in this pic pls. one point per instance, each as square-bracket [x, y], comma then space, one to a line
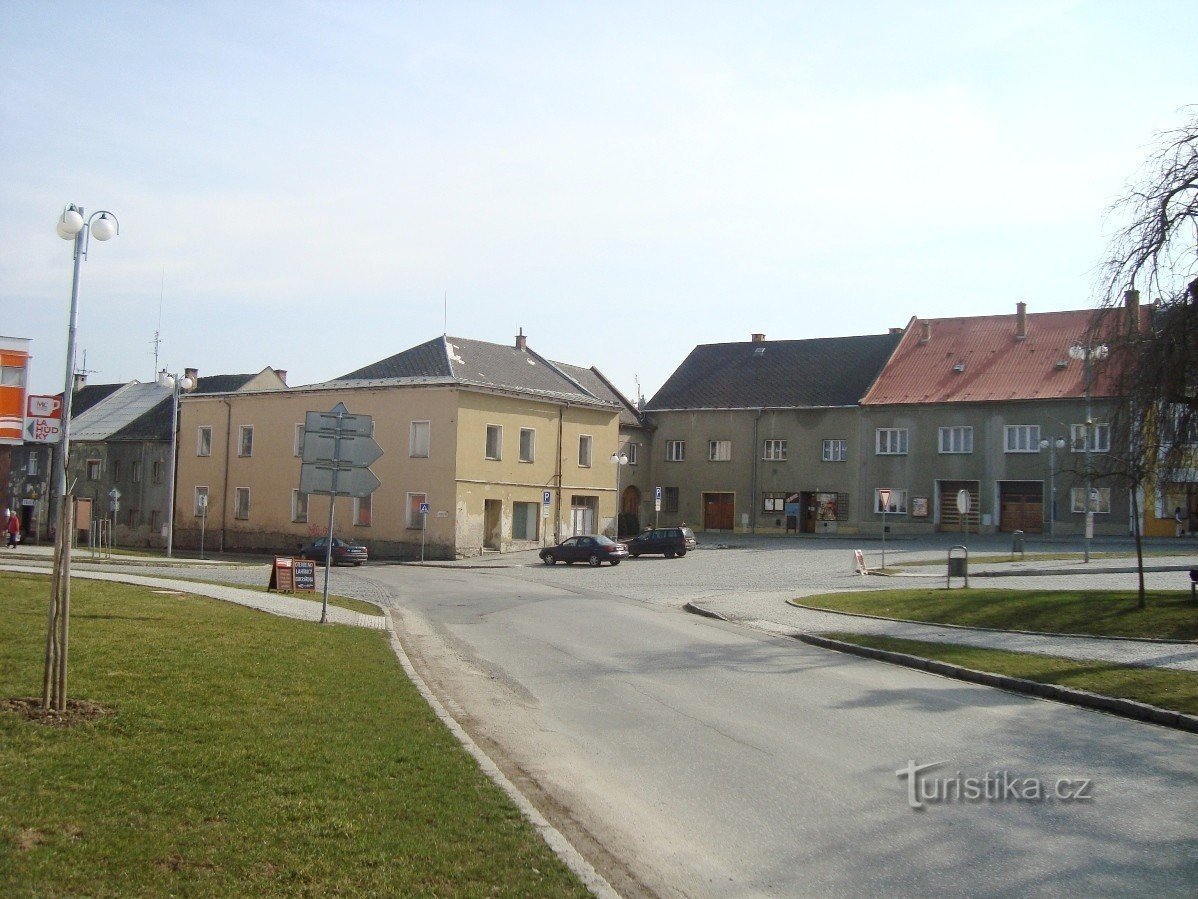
[689, 757]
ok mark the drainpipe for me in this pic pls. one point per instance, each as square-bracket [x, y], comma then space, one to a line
[557, 519]
[224, 494]
[753, 478]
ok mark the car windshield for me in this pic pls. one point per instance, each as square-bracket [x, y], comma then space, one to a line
[603, 541]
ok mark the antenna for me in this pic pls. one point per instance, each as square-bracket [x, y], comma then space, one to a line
[157, 341]
[445, 314]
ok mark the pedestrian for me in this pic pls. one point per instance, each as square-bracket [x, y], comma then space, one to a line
[14, 529]
[1181, 520]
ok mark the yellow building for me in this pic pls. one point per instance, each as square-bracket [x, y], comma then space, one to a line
[482, 433]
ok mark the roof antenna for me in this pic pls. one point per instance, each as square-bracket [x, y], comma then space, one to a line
[157, 341]
[445, 314]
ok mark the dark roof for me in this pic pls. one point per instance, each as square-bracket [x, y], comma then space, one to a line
[156, 423]
[595, 383]
[223, 383]
[457, 360]
[87, 396]
[826, 371]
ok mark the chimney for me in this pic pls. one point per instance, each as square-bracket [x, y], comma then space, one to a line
[193, 373]
[282, 374]
[896, 330]
[759, 338]
[1021, 320]
[1131, 299]
[521, 341]
[927, 332]
[80, 381]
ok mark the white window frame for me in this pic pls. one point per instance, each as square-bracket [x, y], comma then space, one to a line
[245, 441]
[363, 504]
[412, 513]
[31, 464]
[241, 510]
[497, 455]
[1021, 439]
[531, 434]
[675, 450]
[585, 443]
[135, 471]
[299, 506]
[719, 450]
[630, 452]
[204, 440]
[774, 450]
[1102, 437]
[835, 449]
[415, 438]
[898, 501]
[93, 469]
[892, 441]
[956, 440]
[297, 441]
[1077, 500]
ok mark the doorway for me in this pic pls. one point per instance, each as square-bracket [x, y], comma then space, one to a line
[950, 518]
[718, 511]
[492, 523]
[583, 514]
[1021, 506]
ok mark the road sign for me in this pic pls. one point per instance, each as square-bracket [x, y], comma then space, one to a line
[424, 508]
[884, 499]
[317, 477]
[43, 430]
[114, 495]
[352, 449]
[963, 502]
[327, 422]
[656, 499]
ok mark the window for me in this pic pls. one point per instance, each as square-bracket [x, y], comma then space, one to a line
[297, 442]
[12, 375]
[201, 501]
[155, 521]
[524, 520]
[1022, 438]
[241, 502]
[31, 465]
[1102, 502]
[116, 469]
[584, 451]
[630, 452]
[415, 519]
[719, 450]
[245, 440]
[528, 444]
[1102, 437]
[773, 502]
[299, 506]
[156, 471]
[956, 440]
[418, 432]
[774, 451]
[669, 499]
[494, 441]
[892, 441]
[362, 509]
[675, 450]
[898, 501]
[836, 450]
[204, 441]
[131, 518]
[135, 474]
[93, 469]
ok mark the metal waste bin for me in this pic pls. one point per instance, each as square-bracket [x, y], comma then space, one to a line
[958, 565]
[1017, 544]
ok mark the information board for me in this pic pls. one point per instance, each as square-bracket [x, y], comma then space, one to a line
[305, 575]
[292, 575]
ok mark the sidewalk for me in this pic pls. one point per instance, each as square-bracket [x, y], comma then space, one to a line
[285, 605]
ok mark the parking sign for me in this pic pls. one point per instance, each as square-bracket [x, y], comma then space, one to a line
[656, 499]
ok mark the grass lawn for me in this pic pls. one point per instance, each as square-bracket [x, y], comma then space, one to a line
[996, 558]
[244, 755]
[1176, 690]
[1113, 613]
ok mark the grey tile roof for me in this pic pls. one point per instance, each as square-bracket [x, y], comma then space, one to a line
[124, 406]
[87, 396]
[826, 371]
[458, 360]
[596, 384]
[222, 383]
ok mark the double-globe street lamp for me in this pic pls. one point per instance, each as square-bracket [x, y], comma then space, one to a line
[1087, 354]
[177, 386]
[1052, 444]
[619, 460]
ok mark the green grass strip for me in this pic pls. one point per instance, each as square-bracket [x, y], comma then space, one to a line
[1110, 613]
[1165, 688]
[246, 755]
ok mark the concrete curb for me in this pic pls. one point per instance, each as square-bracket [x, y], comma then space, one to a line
[1125, 708]
[699, 610]
[554, 838]
[990, 630]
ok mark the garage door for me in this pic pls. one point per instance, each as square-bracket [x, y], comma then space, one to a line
[1021, 506]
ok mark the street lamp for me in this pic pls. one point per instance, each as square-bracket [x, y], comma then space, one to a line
[618, 460]
[1086, 354]
[177, 385]
[1052, 445]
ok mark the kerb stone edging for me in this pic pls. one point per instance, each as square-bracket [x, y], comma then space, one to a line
[1126, 708]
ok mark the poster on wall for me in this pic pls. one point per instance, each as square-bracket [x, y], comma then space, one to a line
[919, 507]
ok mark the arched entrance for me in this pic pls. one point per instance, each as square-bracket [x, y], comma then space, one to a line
[630, 511]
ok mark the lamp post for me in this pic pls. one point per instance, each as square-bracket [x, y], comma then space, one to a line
[618, 459]
[1086, 354]
[177, 385]
[1052, 445]
[74, 227]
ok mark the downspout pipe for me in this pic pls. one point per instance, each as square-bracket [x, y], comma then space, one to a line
[753, 477]
[224, 494]
[557, 519]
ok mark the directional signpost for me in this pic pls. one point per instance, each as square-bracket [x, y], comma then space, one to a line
[884, 500]
[423, 528]
[338, 449]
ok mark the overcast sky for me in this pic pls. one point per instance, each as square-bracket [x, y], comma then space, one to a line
[302, 185]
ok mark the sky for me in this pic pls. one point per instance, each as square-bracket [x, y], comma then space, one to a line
[317, 186]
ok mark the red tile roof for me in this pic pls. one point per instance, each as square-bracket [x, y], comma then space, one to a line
[981, 359]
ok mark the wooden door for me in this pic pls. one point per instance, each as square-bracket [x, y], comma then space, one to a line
[718, 511]
[1021, 506]
[950, 518]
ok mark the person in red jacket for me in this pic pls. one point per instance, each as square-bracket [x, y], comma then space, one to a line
[14, 529]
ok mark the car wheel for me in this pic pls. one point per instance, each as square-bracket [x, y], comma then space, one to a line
[635, 555]
[681, 553]
[615, 562]
[594, 560]
[669, 553]
[356, 564]
[549, 559]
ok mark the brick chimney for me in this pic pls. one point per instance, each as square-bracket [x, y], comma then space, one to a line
[1131, 299]
[521, 341]
[282, 374]
[759, 338]
[1021, 320]
[926, 337]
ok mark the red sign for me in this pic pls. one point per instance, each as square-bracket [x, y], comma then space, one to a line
[43, 407]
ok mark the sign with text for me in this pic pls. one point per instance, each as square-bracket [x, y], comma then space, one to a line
[656, 499]
[43, 419]
[292, 575]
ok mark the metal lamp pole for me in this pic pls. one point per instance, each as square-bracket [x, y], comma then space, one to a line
[618, 459]
[177, 385]
[1086, 353]
[1052, 445]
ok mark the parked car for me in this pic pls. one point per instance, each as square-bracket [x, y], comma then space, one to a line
[594, 549]
[669, 542]
[343, 553]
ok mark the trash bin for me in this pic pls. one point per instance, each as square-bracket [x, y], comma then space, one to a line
[958, 566]
[1016, 544]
